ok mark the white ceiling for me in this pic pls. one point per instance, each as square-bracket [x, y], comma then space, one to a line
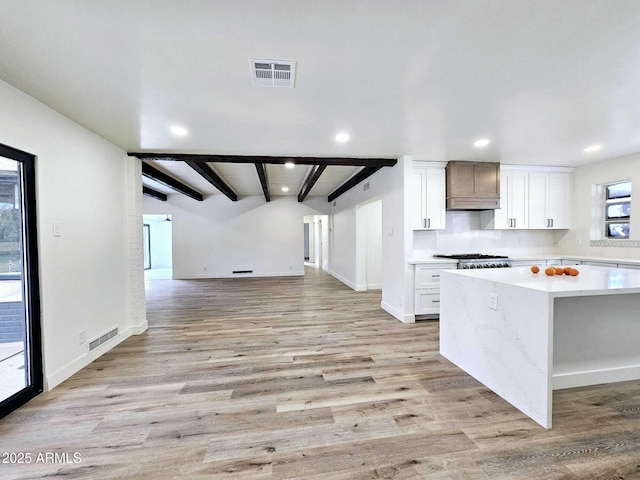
[542, 79]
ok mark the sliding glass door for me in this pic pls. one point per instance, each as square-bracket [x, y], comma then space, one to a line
[20, 341]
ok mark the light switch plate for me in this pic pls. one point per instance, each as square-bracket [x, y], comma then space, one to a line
[57, 229]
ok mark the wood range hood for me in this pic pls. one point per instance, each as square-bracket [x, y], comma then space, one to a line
[473, 185]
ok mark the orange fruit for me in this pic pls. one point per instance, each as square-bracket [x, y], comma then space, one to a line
[574, 272]
[535, 269]
[559, 270]
[550, 271]
[567, 270]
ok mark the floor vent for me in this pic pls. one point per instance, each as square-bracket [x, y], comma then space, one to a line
[272, 73]
[243, 271]
[103, 339]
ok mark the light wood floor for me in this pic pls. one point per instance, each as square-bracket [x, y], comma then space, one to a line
[303, 378]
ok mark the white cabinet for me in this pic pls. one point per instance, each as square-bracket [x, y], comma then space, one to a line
[514, 192]
[529, 263]
[531, 198]
[568, 261]
[428, 196]
[427, 288]
[628, 265]
[549, 200]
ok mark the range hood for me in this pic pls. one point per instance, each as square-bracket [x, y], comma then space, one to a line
[473, 185]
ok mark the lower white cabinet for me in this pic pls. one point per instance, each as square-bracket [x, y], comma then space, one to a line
[427, 288]
[528, 263]
[570, 262]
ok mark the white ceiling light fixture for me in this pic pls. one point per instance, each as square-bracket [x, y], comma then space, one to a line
[178, 130]
[285, 189]
[342, 137]
[272, 73]
[483, 142]
[289, 164]
[593, 148]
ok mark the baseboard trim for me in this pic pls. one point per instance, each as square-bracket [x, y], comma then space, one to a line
[596, 377]
[403, 317]
[73, 367]
[201, 276]
[348, 283]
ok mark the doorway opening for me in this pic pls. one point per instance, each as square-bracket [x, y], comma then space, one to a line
[369, 245]
[157, 231]
[316, 240]
[21, 375]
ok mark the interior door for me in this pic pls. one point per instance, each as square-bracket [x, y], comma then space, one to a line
[21, 376]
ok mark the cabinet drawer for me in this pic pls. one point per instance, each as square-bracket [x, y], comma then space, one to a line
[427, 277]
[570, 262]
[629, 265]
[427, 301]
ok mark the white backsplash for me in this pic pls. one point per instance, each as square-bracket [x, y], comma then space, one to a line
[464, 235]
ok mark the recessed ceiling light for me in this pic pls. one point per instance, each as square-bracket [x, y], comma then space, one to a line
[289, 164]
[285, 189]
[179, 131]
[483, 142]
[342, 137]
[593, 148]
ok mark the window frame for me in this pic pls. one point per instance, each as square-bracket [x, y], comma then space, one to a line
[608, 202]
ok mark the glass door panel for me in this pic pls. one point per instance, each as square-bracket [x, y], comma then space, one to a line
[20, 349]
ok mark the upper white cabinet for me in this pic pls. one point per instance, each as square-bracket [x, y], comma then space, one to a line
[514, 193]
[532, 198]
[549, 200]
[428, 196]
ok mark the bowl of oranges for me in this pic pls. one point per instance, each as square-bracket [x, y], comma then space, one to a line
[551, 271]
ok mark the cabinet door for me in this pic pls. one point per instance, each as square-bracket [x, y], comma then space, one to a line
[501, 215]
[538, 200]
[519, 200]
[418, 199]
[559, 200]
[435, 198]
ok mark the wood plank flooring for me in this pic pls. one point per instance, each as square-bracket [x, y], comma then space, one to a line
[302, 378]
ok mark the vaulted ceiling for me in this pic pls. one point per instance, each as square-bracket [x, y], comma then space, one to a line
[540, 79]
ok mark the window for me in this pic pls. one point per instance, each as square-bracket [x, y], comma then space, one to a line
[617, 210]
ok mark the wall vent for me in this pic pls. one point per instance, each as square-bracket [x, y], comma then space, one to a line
[243, 271]
[272, 73]
[103, 339]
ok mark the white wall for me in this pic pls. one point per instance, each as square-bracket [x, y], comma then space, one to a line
[213, 238]
[397, 242]
[86, 275]
[397, 239]
[578, 240]
[464, 235]
[345, 246]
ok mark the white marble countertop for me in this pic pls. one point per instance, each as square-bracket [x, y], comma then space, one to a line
[592, 280]
[523, 257]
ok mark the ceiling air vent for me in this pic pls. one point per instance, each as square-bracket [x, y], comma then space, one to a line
[272, 73]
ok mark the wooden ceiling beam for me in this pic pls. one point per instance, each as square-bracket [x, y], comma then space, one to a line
[311, 180]
[150, 192]
[213, 178]
[352, 182]
[168, 181]
[274, 160]
[262, 174]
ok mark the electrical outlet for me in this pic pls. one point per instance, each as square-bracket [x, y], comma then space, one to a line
[82, 337]
[493, 301]
[204, 269]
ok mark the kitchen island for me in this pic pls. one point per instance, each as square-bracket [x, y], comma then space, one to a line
[523, 334]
